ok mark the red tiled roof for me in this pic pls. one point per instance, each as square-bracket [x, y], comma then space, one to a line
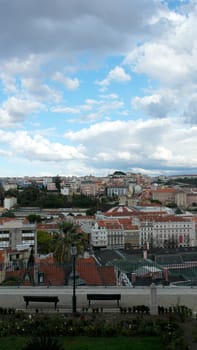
[120, 211]
[48, 226]
[93, 274]
[109, 224]
[167, 190]
[166, 218]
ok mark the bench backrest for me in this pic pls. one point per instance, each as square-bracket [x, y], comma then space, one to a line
[103, 296]
[40, 298]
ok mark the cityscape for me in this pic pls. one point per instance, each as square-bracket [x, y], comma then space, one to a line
[130, 229]
[98, 177]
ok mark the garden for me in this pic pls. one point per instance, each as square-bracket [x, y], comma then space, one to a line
[133, 329]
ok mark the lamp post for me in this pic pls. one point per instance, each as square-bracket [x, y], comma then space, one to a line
[73, 252]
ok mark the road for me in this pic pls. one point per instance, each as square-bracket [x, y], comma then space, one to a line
[13, 296]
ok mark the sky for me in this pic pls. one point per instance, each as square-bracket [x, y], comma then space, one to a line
[91, 87]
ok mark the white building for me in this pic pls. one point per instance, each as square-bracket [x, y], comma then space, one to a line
[167, 232]
[108, 233]
[9, 186]
[98, 237]
[65, 191]
[9, 202]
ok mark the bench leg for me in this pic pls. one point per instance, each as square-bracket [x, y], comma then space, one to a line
[27, 303]
[55, 305]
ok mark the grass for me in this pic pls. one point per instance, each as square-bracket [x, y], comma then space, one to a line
[91, 343]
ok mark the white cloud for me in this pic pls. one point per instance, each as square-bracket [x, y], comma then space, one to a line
[117, 74]
[190, 111]
[159, 104]
[38, 147]
[73, 110]
[67, 110]
[14, 111]
[69, 83]
[151, 144]
[170, 58]
[34, 88]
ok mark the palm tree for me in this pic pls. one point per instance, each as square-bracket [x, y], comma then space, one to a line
[68, 236]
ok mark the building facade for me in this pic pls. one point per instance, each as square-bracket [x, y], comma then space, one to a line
[15, 232]
[107, 233]
[167, 232]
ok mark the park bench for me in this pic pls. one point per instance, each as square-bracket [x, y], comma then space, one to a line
[41, 298]
[104, 297]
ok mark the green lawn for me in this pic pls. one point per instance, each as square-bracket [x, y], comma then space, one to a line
[91, 343]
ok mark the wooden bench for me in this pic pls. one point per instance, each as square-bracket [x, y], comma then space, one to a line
[41, 298]
[104, 297]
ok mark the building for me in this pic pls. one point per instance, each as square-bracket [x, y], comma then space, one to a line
[181, 199]
[88, 188]
[98, 236]
[164, 195]
[9, 186]
[116, 190]
[9, 202]
[131, 231]
[107, 233]
[16, 232]
[167, 232]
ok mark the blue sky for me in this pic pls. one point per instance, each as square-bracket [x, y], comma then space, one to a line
[90, 87]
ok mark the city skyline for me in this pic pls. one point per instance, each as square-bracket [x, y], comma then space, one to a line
[91, 88]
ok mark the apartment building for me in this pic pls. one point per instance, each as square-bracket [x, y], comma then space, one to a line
[17, 232]
[88, 188]
[164, 195]
[116, 190]
[131, 233]
[167, 232]
[108, 233]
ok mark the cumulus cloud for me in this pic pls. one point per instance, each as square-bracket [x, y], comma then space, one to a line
[64, 26]
[69, 83]
[38, 147]
[151, 144]
[171, 57]
[93, 110]
[158, 105]
[35, 88]
[48, 48]
[117, 74]
[14, 111]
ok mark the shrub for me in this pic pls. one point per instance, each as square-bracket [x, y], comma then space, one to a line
[43, 343]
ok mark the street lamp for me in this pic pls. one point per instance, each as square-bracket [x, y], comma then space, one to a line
[73, 252]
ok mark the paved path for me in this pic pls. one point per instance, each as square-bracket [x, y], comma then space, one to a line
[13, 297]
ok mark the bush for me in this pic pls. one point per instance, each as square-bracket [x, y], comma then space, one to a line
[43, 343]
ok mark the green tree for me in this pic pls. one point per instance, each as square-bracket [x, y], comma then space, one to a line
[57, 181]
[29, 196]
[44, 242]
[68, 235]
[32, 218]
[8, 214]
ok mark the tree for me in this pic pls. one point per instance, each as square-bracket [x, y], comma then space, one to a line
[57, 181]
[8, 214]
[29, 196]
[68, 235]
[44, 242]
[32, 218]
